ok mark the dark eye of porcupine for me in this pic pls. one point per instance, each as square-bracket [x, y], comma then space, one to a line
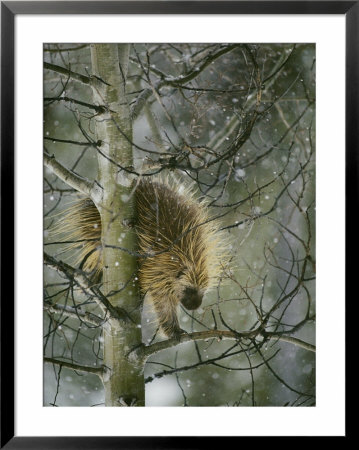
[191, 298]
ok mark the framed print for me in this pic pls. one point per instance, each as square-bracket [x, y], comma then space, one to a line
[170, 249]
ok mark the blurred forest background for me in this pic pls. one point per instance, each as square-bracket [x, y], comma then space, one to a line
[238, 122]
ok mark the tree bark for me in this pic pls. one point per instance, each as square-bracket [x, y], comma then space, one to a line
[123, 381]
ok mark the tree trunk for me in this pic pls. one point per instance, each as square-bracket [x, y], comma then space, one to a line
[124, 384]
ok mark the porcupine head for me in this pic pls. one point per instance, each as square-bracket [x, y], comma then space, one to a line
[181, 249]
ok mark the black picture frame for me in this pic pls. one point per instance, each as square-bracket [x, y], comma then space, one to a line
[8, 12]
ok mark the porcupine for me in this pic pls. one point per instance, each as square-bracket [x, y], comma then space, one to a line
[180, 245]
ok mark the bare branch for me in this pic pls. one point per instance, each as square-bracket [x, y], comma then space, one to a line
[293, 340]
[85, 284]
[75, 76]
[77, 367]
[74, 313]
[70, 178]
[146, 352]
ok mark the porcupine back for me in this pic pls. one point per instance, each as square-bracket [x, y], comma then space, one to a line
[180, 245]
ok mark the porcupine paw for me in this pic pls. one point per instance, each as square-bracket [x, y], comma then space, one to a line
[177, 332]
